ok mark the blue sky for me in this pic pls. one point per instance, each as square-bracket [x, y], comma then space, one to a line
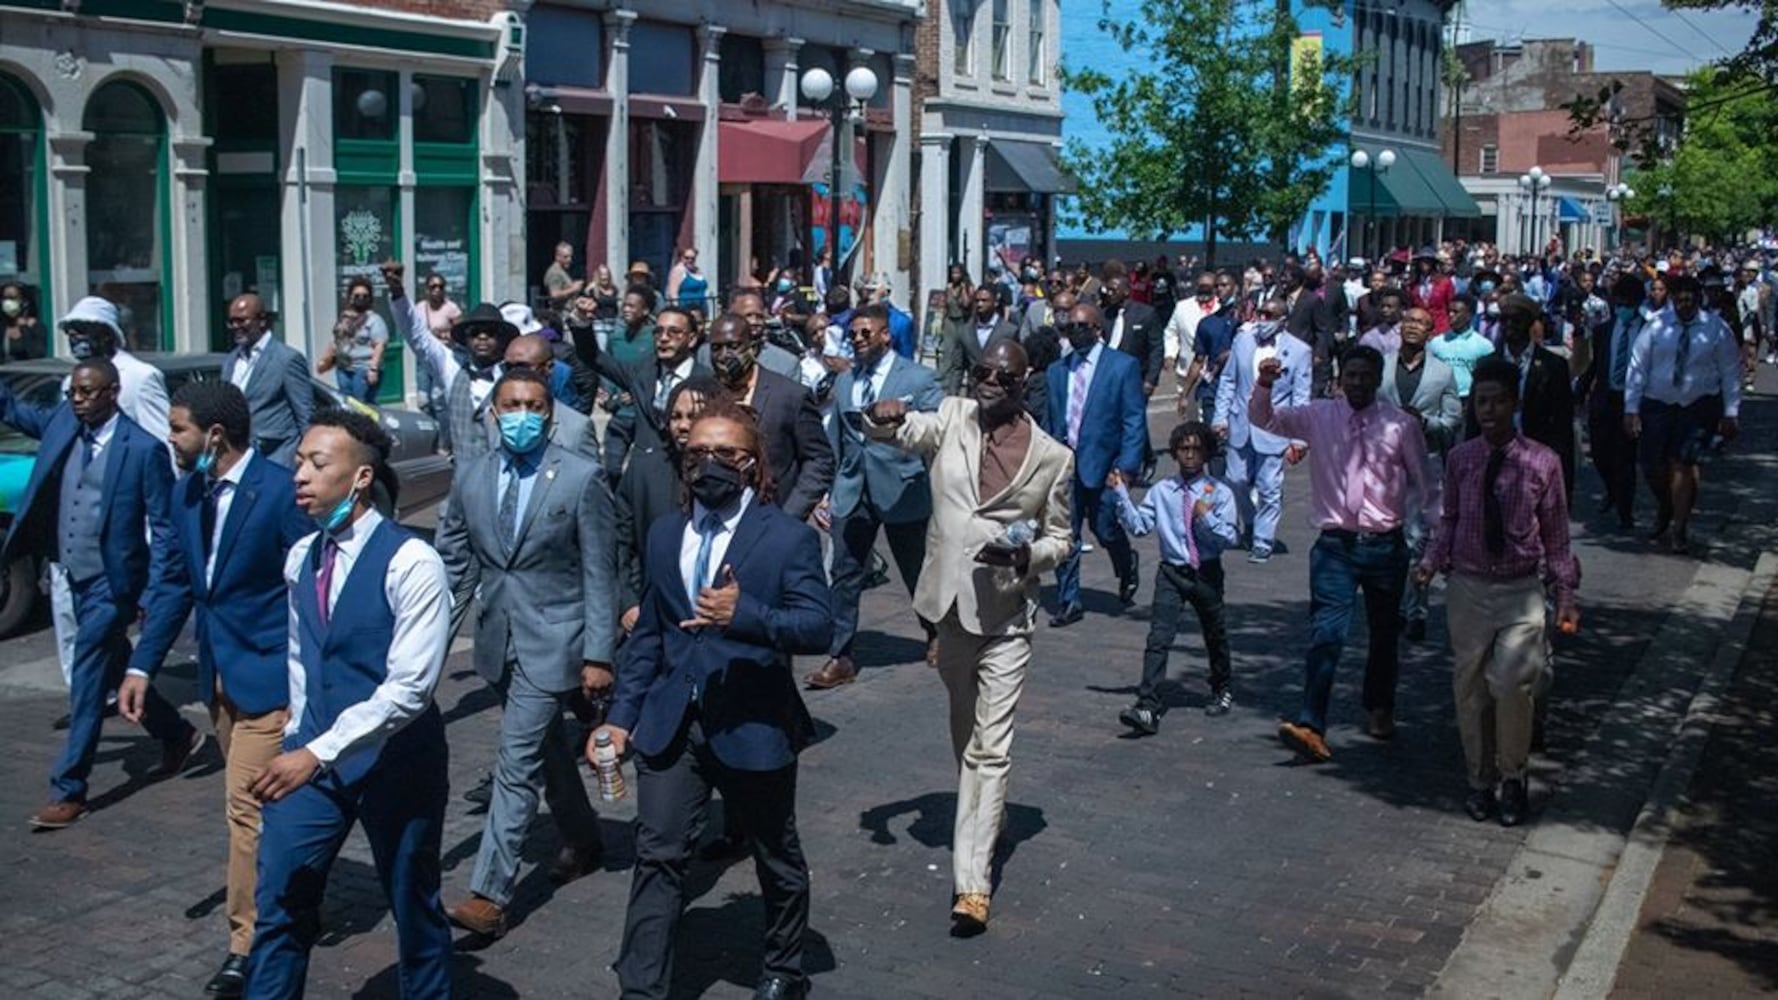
[1663, 41]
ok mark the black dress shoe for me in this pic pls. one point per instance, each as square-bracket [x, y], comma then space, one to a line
[67, 720]
[230, 980]
[781, 988]
[1127, 587]
[1480, 804]
[482, 793]
[1513, 802]
[575, 860]
[1067, 616]
[729, 845]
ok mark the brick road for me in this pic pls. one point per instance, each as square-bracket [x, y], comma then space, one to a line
[1200, 862]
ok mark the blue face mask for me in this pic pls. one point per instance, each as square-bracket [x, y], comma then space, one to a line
[521, 432]
[340, 513]
[1485, 287]
[206, 461]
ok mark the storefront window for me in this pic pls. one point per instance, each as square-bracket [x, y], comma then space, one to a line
[364, 228]
[661, 59]
[659, 155]
[126, 210]
[562, 163]
[444, 109]
[364, 104]
[564, 47]
[443, 240]
[743, 69]
[21, 133]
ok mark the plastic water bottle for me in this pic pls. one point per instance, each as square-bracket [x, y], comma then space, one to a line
[611, 777]
[1019, 533]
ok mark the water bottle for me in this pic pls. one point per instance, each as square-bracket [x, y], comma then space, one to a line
[611, 778]
[1018, 533]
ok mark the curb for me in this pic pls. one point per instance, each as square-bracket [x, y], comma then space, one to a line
[1594, 968]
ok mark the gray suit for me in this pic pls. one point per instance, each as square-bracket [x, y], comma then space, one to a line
[547, 602]
[280, 396]
[1441, 411]
[965, 351]
[876, 485]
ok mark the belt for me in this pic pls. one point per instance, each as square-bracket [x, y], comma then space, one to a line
[1393, 534]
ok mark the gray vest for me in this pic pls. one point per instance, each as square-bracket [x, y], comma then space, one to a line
[81, 512]
[469, 429]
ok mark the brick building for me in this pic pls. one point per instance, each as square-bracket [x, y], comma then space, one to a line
[170, 154]
[1507, 117]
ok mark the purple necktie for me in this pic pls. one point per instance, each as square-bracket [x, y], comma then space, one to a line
[324, 579]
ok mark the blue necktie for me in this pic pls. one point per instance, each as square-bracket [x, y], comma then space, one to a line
[700, 571]
[89, 442]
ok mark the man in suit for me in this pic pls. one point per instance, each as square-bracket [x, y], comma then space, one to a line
[1546, 409]
[644, 428]
[1097, 408]
[234, 520]
[274, 377]
[1426, 389]
[1133, 328]
[750, 305]
[97, 504]
[1602, 386]
[877, 487]
[1000, 519]
[970, 341]
[705, 698]
[529, 535]
[484, 335]
[1306, 317]
[1255, 457]
[369, 626]
[568, 427]
[796, 443]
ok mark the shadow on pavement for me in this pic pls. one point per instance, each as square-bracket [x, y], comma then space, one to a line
[722, 945]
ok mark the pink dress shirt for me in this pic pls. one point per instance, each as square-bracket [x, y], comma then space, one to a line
[1367, 468]
[1533, 512]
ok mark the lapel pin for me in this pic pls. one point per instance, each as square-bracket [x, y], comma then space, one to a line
[549, 474]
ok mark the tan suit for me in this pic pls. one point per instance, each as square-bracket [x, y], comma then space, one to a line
[984, 613]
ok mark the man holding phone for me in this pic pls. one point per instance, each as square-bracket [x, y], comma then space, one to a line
[1000, 519]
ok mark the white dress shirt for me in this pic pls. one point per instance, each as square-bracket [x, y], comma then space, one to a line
[878, 375]
[1116, 339]
[692, 540]
[1181, 334]
[527, 476]
[1713, 363]
[244, 366]
[420, 597]
[225, 499]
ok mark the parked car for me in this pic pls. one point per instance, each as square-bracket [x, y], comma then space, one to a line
[422, 474]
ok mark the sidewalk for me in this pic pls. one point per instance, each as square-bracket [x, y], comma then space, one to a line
[1709, 925]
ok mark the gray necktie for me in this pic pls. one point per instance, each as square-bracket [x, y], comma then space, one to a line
[509, 507]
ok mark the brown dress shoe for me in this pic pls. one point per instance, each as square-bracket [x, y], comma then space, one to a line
[969, 914]
[57, 815]
[1382, 724]
[575, 860]
[832, 674]
[479, 915]
[1304, 741]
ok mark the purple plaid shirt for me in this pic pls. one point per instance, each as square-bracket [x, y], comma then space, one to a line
[1534, 512]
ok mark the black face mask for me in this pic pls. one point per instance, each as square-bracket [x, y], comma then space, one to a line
[732, 367]
[716, 484]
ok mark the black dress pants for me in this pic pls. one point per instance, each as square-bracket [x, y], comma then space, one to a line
[672, 794]
[1175, 586]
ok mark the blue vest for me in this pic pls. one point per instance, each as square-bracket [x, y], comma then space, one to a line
[80, 513]
[346, 660]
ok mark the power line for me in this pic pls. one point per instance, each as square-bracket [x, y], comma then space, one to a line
[1701, 33]
[1620, 8]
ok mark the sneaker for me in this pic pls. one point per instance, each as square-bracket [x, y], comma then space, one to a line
[1260, 555]
[1142, 720]
[1220, 703]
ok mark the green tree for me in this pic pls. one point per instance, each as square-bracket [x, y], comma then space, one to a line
[1721, 180]
[1224, 132]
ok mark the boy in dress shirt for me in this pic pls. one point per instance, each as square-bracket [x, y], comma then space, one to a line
[1193, 516]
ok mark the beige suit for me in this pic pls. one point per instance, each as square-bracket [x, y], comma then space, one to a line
[984, 613]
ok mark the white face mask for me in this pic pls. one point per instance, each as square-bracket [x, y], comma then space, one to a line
[11, 307]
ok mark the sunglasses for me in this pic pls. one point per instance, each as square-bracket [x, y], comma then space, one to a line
[985, 375]
[1073, 330]
[727, 454]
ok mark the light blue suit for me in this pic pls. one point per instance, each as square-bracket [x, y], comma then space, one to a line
[1256, 457]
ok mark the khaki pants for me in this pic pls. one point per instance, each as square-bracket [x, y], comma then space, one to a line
[983, 676]
[249, 742]
[1499, 652]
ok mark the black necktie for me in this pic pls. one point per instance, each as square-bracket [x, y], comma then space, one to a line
[89, 443]
[1493, 522]
[207, 514]
[481, 374]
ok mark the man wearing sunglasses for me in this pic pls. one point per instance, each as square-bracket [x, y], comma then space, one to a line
[273, 376]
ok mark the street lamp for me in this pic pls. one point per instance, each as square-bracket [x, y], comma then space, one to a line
[818, 87]
[1372, 166]
[1534, 181]
[1617, 194]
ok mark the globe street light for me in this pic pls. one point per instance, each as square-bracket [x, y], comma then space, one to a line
[1534, 181]
[1372, 166]
[818, 86]
[1617, 194]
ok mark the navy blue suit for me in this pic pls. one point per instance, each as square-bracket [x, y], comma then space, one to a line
[137, 480]
[1113, 434]
[242, 631]
[718, 707]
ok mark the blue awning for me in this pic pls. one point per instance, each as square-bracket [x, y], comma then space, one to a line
[1571, 210]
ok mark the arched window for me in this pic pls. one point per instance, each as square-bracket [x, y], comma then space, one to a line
[21, 179]
[126, 211]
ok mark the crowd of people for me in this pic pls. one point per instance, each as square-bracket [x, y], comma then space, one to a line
[657, 504]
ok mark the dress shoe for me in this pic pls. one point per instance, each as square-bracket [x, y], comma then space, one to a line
[835, 672]
[483, 793]
[969, 915]
[1127, 587]
[479, 915]
[1304, 741]
[177, 754]
[57, 815]
[231, 979]
[1142, 720]
[1416, 630]
[68, 720]
[729, 845]
[576, 860]
[1381, 725]
[1067, 616]
[1479, 804]
[1513, 802]
[781, 988]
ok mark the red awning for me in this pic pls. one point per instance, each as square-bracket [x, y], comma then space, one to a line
[769, 151]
